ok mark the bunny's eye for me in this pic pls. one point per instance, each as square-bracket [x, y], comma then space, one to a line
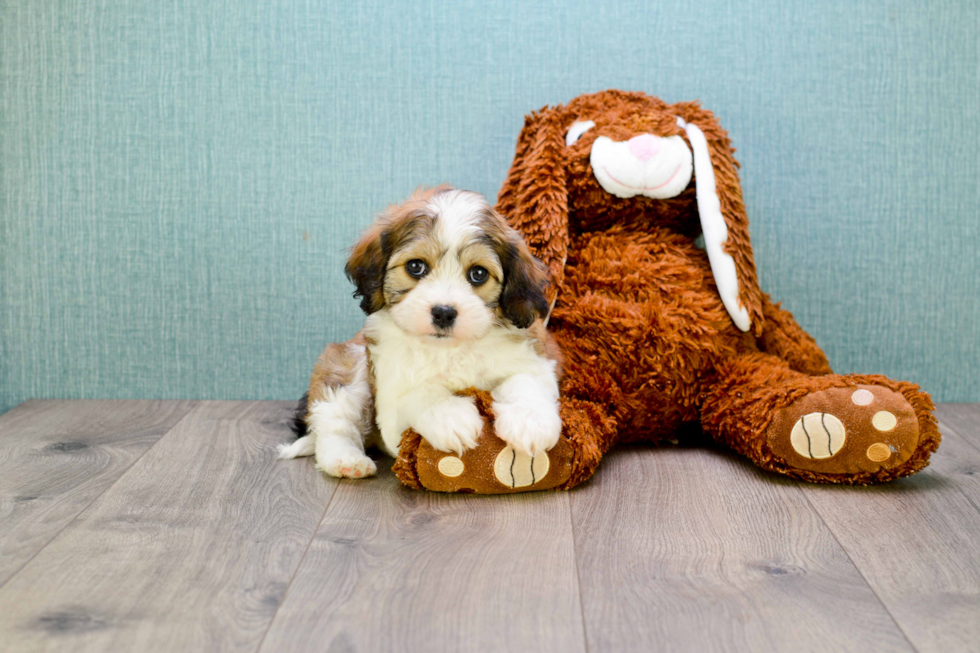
[576, 130]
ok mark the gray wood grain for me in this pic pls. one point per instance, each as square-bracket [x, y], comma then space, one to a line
[917, 542]
[964, 419]
[958, 458]
[191, 550]
[695, 550]
[56, 457]
[116, 534]
[393, 569]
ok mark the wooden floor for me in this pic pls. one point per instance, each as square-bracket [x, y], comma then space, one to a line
[171, 526]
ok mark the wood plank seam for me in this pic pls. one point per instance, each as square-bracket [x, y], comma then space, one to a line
[299, 563]
[945, 427]
[860, 571]
[947, 415]
[96, 497]
[946, 430]
[191, 552]
[578, 574]
[398, 569]
[731, 544]
[969, 441]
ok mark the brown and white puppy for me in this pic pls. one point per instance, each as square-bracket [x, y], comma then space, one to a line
[454, 300]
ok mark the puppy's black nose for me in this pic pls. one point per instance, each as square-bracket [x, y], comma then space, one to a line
[443, 316]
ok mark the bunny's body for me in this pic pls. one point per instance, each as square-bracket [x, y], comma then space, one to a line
[660, 336]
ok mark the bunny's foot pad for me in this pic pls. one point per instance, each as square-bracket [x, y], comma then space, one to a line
[493, 467]
[860, 429]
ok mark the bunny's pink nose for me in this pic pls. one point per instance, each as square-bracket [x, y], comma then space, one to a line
[645, 146]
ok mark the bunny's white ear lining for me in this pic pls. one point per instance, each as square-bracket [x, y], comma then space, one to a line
[713, 227]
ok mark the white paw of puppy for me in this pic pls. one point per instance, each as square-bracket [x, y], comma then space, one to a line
[342, 460]
[529, 429]
[454, 424]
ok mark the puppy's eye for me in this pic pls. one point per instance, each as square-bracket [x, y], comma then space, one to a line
[477, 275]
[576, 130]
[416, 268]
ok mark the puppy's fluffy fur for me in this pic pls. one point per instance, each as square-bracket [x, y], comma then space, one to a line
[454, 300]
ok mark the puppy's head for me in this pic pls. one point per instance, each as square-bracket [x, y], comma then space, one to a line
[446, 265]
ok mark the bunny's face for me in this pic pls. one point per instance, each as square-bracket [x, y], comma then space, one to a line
[625, 156]
[632, 161]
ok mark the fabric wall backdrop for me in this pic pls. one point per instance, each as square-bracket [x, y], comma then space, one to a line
[180, 179]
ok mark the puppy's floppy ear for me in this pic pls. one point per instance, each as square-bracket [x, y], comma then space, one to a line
[368, 260]
[366, 269]
[522, 299]
[534, 198]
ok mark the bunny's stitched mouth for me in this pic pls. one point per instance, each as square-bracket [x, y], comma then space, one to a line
[644, 188]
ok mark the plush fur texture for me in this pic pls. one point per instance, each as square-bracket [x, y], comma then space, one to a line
[454, 301]
[651, 352]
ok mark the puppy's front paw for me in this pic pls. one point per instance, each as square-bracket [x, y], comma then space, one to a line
[529, 429]
[339, 458]
[453, 424]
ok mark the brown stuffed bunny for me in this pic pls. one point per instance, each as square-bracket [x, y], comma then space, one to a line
[611, 191]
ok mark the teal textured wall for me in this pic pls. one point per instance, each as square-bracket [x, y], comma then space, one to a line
[178, 180]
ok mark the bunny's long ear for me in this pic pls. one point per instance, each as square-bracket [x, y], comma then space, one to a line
[534, 199]
[723, 220]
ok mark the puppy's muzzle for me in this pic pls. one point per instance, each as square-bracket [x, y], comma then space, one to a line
[443, 317]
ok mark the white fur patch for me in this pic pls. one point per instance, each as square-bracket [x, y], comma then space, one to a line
[338, 457]
[457, 213]
[526, 410]
[338, 425]
[415, 379]
[449, 423]
[304, 446]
